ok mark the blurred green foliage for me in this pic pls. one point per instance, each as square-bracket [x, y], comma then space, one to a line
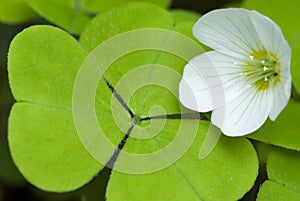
[15, 11]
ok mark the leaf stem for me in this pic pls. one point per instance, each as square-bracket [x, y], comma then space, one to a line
[295, 93]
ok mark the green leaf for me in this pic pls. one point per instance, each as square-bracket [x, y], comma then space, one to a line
[45, 73]
[104, 5]
[122, 19]
[74, 15]
[183, 21]
[284, 131]
[180, 15]
[55, 159]
[286, 19]
[67, 14]
[42, 137]
[283, 167]
[272, 191]
[220, 176]
[15, 11]
[284, 178]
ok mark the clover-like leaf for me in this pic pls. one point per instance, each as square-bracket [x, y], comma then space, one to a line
[15, 11]
[142, 101]
[51, 65]
[286, 20]
[114, 22]
[284, 131]
[122, 19]
[42, 136]
[284, 180]
[183, 22]
[180, 15]
[283, 167]
[272, 191]
[67, 14]
[135, 104]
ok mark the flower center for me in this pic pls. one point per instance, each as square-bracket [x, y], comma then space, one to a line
[263, 69]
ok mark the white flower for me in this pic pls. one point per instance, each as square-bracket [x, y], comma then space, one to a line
[247, 76]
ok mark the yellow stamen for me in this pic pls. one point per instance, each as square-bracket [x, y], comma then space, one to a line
[262, 85]
[258, 54]
[263, 69]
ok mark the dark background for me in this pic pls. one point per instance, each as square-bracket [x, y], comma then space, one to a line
[13, 187]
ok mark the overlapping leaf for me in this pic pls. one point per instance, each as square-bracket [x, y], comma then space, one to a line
[283, 166]
[15, 11]
[272, 191]
[74, 15]
[67, 14]
[180, 15]
[104, 5]
[284, 177]
[122, 19]
[284, 131]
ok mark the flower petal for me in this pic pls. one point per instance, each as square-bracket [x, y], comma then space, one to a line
[205, 79]
[281, 94]
[244, 114]
[229, 31]
[271, 36]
